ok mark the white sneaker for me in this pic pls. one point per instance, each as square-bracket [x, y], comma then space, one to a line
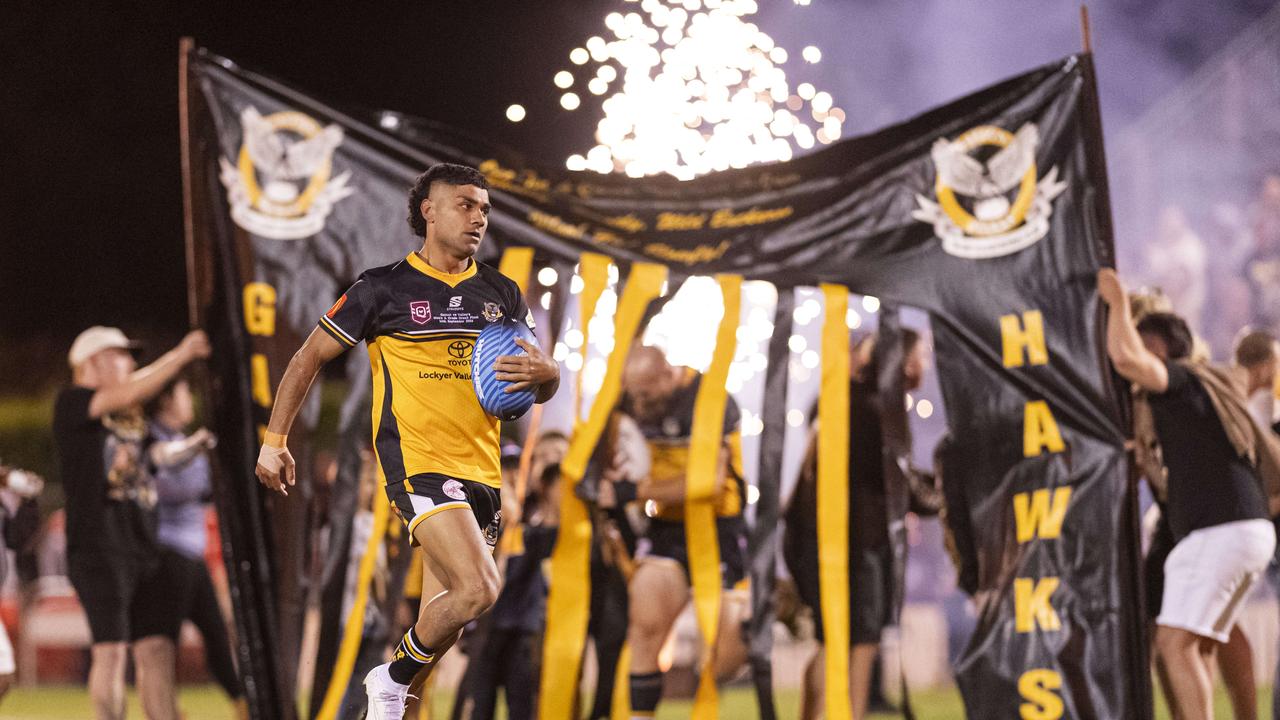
[386, 696]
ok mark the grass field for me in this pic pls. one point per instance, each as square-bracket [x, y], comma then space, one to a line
[206, 702]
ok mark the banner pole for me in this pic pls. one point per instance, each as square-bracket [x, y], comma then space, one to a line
[185, 47]
[1086, 38]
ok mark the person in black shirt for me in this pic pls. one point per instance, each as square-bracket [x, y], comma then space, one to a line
[871, 576]
[113, 560]
[1217, 510]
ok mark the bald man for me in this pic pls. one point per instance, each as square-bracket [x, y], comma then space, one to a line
[660, 398]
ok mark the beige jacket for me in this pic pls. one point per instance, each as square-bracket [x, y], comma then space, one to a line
[1257, 445]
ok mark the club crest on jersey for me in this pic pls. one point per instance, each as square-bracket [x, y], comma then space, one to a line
[454, 489]
[492, 312]
[420, 311]
[280, 184]
[989, 200]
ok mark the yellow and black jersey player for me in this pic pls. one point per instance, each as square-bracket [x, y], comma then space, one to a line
[436, 448]
[660, 398]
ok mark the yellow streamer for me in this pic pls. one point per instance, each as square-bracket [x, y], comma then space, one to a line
[593, 268]
[620, 706]
[353, 632]
[568, 599]
[833, 499]
[517, 264]
[705, 443]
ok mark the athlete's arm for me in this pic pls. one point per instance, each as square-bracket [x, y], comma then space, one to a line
[145, 383]
[535, 369]
[1131, 358]
[275, 465]
[671, 490]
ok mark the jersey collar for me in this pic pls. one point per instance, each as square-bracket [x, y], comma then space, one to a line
[450, 279]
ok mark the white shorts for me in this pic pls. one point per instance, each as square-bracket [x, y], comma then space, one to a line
[7, 665]
[1209, 573]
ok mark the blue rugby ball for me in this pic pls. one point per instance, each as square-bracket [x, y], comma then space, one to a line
[498, 339]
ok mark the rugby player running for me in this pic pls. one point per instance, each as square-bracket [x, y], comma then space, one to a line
[437, 449]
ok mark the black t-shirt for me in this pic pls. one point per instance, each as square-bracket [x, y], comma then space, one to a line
[110, 495]
[1209, 484]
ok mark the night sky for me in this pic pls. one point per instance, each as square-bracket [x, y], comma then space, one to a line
[90, 191]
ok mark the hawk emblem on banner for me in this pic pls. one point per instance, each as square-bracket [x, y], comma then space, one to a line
[280, 185]
[989, 203]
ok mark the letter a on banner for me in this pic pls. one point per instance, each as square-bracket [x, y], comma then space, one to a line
[833, 498]
[567, 601]
[706, 442]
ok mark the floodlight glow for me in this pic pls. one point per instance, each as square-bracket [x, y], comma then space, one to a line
[515, 113]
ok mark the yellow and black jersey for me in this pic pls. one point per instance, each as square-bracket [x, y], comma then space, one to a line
[420, 325]
[668, 440]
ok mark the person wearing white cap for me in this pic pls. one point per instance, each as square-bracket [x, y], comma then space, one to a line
[112, 557]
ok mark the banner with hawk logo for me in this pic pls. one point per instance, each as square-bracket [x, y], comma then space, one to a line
[990, 213]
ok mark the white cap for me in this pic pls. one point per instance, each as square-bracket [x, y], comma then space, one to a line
[96, 339]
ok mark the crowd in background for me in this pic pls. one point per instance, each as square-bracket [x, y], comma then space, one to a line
[1230, 292]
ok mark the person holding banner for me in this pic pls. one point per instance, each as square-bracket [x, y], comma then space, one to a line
[437, 449]
[113, 559]
[1212, 455]
[660, 398]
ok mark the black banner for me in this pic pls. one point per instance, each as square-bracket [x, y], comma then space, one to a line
[989, 213]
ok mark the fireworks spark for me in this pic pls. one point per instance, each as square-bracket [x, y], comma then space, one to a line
[696, 88]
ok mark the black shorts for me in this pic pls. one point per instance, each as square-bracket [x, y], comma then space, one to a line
[666, 539]
[127, 598]
[870, 593]
[421, 496]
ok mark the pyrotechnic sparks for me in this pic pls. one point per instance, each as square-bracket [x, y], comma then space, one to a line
[695, 88]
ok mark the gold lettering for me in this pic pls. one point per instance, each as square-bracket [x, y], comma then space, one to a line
[555, 224]
[701, 253]
[1036, 517]
[681, 221]
[1031, 604]
[260, 309]
[1037, 688]
[261, 379]
[725, 218]
[626, 223]
[1039, 430]
[1028, 334]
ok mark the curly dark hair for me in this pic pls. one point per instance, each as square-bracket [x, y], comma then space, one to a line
[1172, 330]
[447, 173]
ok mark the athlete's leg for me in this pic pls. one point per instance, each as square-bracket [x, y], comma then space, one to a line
[861, 658]
[460, 571]
[1190, 686]
[658, 592]
[731, 645]
[106, 679]
[155, 661]
[812, 698]
[433, 586]
[1235, 660]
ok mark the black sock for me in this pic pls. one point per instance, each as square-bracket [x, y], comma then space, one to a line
[411, 656]
[646, 691]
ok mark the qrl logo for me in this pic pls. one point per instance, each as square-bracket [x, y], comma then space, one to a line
[420, 311]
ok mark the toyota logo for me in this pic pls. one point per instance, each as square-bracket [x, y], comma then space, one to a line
[460, 349]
